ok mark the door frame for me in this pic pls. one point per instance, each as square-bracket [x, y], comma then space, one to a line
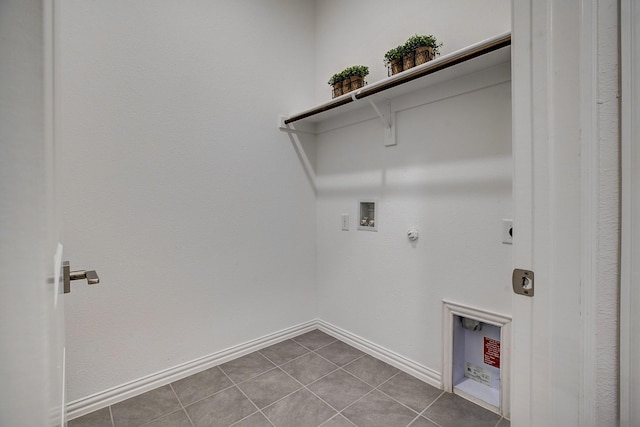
[630, 228]
[556, 211]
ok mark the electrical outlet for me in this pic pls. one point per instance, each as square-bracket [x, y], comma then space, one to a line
[507, 231]
[345, 222]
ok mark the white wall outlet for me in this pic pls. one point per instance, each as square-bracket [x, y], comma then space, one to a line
[507, 231]
[345, 222]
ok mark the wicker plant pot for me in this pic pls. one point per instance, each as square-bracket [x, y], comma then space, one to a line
[409, 61]
[396, 66]
[356, 82]
[424, 54]
[346, 85]
[337, 89]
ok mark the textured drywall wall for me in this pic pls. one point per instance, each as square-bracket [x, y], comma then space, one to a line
[361, 32]
[176, 185]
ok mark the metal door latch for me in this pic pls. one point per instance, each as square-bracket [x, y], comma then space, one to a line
[522, 281]
[68, 275]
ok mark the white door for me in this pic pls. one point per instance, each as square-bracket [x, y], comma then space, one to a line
[31, 307]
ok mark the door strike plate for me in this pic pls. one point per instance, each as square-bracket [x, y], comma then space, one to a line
[522, 282]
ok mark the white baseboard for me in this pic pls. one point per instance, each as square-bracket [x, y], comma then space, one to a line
[409, 366]
[100, 400]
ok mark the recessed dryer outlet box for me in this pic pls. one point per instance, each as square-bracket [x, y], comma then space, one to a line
[507, 231]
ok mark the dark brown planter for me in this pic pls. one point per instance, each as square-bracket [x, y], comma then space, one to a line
[337, 89]
[408, 61]
[424, 54]
[396, 66]
[346, 85]
[356, 82]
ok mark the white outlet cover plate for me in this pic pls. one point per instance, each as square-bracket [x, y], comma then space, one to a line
[507, 231]
[345, 222]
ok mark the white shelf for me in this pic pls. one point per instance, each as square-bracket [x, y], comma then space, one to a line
[472, 59]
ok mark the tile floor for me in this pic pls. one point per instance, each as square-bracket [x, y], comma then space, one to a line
[311, 380]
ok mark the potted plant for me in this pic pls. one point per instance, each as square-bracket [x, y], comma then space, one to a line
[357, 73]
[393, 59]
[349, 79]
[336, 82]
[420, 49]
[346, 81]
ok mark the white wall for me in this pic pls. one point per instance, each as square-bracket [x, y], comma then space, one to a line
[361, 32]
[177, 186]
[449, 176]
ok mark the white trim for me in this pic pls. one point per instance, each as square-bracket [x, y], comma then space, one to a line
[522, 98]
[630, 90]
[590, 187]
[451, 309]
[409, 366]
[119, 393]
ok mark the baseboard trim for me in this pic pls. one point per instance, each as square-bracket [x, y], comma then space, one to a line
[409, 366]
[100, 400]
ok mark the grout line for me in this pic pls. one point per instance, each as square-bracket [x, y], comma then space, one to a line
[311, 349]
[181, 404]
[113, 423]
[245, 395]
[434, 401]
[336, 416]
[314, 394]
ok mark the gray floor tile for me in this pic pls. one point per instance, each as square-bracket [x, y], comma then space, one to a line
[146, 407]
[371, 370]
[338, 421]
[201, 385]
[283, 352]
[340, 353]
[177, 419]
[504, 423]
[246, 367]
[265, 389]
[99, 418]
[314, 340]
[422, 422]
[412, 392]
[220, 410]
[308, 368]
[377, 410]
[301, 409]
[451, 410]
[255, 420]
[339, 389]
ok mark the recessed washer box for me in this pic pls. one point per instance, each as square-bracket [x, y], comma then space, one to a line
[367, 215]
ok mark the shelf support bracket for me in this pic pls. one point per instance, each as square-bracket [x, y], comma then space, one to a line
[288, 129]
[389, 124]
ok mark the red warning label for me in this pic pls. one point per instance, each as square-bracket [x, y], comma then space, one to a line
[492, 352]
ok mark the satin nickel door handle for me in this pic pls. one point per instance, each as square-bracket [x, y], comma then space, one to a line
[68, 275]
